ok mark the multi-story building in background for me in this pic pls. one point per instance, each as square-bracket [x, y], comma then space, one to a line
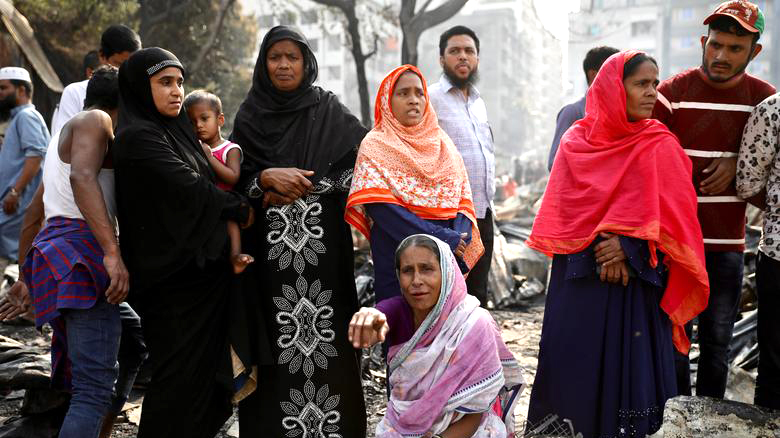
[542, 86]
[669, 30]
[618, 23]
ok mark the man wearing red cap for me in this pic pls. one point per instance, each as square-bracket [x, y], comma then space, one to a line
[707, 108]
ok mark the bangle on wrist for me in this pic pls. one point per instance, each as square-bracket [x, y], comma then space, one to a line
[255, 190]
[13, 191]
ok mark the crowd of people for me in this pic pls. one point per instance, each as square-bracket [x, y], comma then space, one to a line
[236, 255]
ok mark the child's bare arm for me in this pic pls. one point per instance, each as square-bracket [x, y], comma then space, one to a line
[231, 170]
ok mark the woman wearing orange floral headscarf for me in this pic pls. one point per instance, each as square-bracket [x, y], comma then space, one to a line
[410, 179]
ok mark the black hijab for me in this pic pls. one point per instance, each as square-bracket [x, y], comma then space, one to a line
[170, 211]
[306, 128]
[136, 105]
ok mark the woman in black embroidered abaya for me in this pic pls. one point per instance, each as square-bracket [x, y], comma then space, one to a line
[173, 240]
[300, 147]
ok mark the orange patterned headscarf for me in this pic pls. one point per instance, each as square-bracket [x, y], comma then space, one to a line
[416, 167]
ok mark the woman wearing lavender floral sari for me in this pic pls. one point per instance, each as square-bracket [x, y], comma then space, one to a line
[450, 373]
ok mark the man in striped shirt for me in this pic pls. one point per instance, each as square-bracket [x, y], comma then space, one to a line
[707, 108]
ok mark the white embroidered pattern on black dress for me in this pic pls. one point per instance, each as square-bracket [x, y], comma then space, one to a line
[295, 233]
[310, 415]
[305, 322]
[304, 312]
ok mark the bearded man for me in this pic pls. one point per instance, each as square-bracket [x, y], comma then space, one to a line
[463, 116]
[707, 107]
[24, 147]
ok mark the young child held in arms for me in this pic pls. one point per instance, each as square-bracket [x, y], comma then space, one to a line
[205, 112]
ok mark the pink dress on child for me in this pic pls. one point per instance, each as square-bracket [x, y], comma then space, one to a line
[220, 153]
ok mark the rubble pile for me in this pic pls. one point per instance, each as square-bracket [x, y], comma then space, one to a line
[518, 273]
[707, 417]
[24, 380]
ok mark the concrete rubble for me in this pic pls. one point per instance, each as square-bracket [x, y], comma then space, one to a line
[705, 417]
[24, 374]
[518, 273]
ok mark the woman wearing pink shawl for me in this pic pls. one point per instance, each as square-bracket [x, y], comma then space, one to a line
[450, 372]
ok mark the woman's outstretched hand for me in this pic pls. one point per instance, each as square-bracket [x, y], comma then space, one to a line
[367, 327]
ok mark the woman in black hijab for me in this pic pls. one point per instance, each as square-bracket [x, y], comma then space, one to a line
[299, 147]
[173, 240]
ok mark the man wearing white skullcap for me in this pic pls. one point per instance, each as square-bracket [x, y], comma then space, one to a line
[15, 73]
[24, 148]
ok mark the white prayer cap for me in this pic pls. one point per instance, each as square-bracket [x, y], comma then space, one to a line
[15, 73]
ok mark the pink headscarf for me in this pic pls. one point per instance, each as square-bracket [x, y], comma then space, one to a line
[455, 363]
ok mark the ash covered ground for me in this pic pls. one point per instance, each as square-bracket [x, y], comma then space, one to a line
[521, 328]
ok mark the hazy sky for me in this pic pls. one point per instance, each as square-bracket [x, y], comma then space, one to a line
[554, 14]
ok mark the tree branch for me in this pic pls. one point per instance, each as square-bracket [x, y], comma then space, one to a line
[374, 50]
[149, 20]
[414, 24]
[224, 7]
[424, 6]
[341, 4]
[426, 20]
[352, 26]
[406, 15]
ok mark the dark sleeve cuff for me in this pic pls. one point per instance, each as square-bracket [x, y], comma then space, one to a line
[580, 265]
[463, 225]
[451, 239]
[236, 208]
[464, 268]
[638, 259]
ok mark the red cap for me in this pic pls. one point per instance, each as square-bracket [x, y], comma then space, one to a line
[747, 14]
